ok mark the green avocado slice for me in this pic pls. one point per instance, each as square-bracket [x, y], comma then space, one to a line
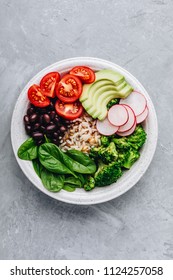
[102, 75]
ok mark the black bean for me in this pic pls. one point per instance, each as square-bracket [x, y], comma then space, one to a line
[37, 135]
[57, 120]
[36, 126]
[39, 142]
[52, 115]
[55, 135]
[49, 135]
[43, 110]
[41, 119]
[42, 128]
[33, 118]
[51, 128]
[28, 129]
[62, 128]
[30, 111]
[67, 122]
[56, 141]
[46, 118]
[26, 119]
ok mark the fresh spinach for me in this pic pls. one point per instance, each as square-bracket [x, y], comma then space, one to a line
[69, 188]
[51, 181]
[28, 150]
[73, 181]
[50, 158]
[82, 178]
[80, 162]
[55, 160]
[37, 166]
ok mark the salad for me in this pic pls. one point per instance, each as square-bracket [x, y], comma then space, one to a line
[84, 128]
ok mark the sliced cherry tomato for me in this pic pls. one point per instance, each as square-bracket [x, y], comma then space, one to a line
[69, 89]
[36, 96]
[69, 111]
[86, 74]
[48, 83]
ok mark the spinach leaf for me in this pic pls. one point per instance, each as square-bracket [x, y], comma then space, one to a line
[50, 157]
[51, 181]
[28, 150]
[37, 166]
[74, 160]
[69, 188]
[73, 181]
[80, 162]
[82, 178]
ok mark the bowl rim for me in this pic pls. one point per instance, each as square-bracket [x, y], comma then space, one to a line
[101, 196]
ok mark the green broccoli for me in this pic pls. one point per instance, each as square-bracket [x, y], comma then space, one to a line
[105, 140]
[130, 158]
[107, 174]
[112, 102]
[121, 143]
[106, 154]
[123, 156]
[90, 183]
[138, 138]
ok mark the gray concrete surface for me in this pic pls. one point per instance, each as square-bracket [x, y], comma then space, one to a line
[137, 35]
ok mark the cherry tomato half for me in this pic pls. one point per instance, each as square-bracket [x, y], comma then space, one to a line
[69, 89]
[69, 111]
[48, 83]
[36, 96]
[86, 74]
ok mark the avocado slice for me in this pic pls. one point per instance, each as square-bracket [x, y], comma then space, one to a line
[105, 74]
[121, 85]
[108, 85]
[91, 101]
[102, 96]
[124, 92]
[90, 88]
[109, 74]
[100, 107]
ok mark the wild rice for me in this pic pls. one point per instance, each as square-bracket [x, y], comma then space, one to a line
[81, 135]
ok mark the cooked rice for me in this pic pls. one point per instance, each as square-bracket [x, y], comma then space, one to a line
[81, 135]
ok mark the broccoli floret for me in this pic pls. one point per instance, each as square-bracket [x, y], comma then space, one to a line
[105, 141]
[121, 143]
[112, 102]
[123, 156]
[130, 158]
[138, 138]
[107, 174]
[106, 154]
[90, 184]
[135, 140]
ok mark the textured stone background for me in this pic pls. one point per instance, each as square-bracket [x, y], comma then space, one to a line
[137, 35]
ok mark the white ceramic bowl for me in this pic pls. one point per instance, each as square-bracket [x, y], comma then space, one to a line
[129, 178]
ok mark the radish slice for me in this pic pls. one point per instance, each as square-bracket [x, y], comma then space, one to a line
[128, 125]
[136, 101]
[128, 132]
[105, 127]
[140, 118]
[118, 115]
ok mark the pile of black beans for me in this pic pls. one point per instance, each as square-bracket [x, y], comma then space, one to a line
[41, 122]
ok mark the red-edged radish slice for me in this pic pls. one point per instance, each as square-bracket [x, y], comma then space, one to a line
[128, 125]
[118, 115]
[105, 127]
[140, 118]
[136, 101]
[128, 132]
